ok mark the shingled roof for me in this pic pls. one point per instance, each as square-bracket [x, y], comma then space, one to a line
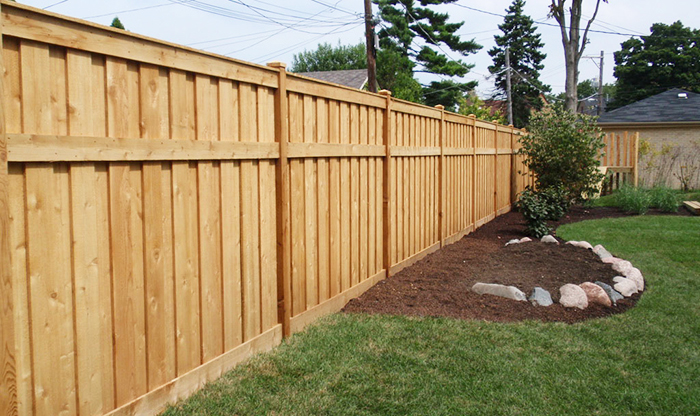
[354, 78]
[672, 106]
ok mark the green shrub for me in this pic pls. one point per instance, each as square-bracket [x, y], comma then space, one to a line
[556, 200]
[665, 199]
[562, 150]
[535, 210]
[631, 199]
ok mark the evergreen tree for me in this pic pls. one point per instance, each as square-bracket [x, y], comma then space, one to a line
[117, 23]
[418, 35]
[667, 58]
[329, 58]
[526, 60]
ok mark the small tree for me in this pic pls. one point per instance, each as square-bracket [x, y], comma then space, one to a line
[474, 105]
[117, 23]
[562, 150]
[327, 57]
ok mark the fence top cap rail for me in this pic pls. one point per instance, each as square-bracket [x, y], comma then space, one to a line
[332, 84]
[6, 4]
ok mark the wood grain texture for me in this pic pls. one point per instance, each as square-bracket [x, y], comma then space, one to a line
[196, 202]
[8, 352]
[90, 228]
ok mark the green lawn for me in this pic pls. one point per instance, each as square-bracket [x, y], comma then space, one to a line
[646, 361]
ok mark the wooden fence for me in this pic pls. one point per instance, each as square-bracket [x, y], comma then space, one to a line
[166, 213]
[620, 160]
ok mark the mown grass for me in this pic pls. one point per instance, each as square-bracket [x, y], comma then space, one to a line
[646, 361]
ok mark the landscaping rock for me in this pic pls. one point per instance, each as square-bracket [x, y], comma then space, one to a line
[622, 267]
[513, 241]
[611, 260]
[595, 294]
[572, 296]
[549, 239]
[525, 240]
[601, 251]
[613, 294]
[508, 292]
[582, 244]
[540, 297]
[636, 276]
[625, 286]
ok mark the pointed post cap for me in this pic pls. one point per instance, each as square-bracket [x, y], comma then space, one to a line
[385, 92]
[440, 107]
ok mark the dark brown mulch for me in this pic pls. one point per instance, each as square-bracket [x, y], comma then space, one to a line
[439, 285]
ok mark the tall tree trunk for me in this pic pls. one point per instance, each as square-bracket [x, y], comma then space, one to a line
[571, 86]
[573, 42]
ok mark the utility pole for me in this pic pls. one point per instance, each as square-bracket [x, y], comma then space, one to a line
[371, 52]
[601, 99]
[508, 88]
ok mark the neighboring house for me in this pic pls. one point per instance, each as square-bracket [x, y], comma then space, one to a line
[669, 131]
[353, 78]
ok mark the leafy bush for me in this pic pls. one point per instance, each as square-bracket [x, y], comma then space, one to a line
[535, 210]
[556, 200]
[631, 199]
[665, 199]
[562, 150]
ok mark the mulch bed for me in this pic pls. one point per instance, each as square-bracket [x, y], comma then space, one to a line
[440, 284]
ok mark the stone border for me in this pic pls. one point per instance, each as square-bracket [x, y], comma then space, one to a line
[629, 282]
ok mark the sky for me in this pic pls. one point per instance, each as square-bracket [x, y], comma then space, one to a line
[262, 31]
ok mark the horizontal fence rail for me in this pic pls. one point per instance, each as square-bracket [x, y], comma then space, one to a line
[165, 213]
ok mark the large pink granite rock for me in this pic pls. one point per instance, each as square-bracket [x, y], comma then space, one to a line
[595, 294]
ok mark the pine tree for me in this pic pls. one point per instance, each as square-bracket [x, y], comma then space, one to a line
[117, 23]
[419, 36]
[526, 58]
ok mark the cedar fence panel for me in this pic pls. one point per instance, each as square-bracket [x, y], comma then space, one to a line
[165, 213]
[619, 160]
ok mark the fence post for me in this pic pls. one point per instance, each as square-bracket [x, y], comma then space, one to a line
[513, 168]
[284, 281]
[386, 188]
[8, 377]
[441, 178]
[495, 172]
[635, 159]
[472, 117]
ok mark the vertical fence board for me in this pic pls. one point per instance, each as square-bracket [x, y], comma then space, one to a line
[158, 237]
[126, 224]
[268, 245]
[231, 252]
[89, 191]
[208, 177]
[48, 234]
[250, 249]
[185, 227]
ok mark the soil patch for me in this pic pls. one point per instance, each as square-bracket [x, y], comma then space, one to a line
[440, 284]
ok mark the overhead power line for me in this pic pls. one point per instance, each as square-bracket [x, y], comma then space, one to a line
[605, 32]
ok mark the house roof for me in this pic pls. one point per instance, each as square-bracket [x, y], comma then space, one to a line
[674, 105]
[354, 78]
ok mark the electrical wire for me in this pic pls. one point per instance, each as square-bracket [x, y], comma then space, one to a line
[546, 23]
[128, 11]
[55, 4]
